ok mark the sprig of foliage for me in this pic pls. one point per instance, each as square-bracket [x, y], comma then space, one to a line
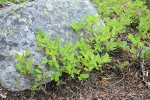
[119, 16]
[75, 60]
[24, 66]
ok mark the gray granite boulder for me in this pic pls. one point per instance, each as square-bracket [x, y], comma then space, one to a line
[19, 25]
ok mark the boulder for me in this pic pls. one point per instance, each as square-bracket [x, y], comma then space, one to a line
[19, 24]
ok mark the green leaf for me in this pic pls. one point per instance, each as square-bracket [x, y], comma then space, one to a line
[57, 75]
[17, 56]
[46, 75]
[111, 45]
[32, 72]
[34, 86]
[22, 60]
[105, 58]
[125, 64]
[44, 61]
[27, 53]
[68, 46]
[77, 26]
[38, 78]
[133, 39]
[40, 31]
[39, 38]
[29, 64]
[123, 44]
[46, 39]
[38, 70]
[145, 53]
[97, 58]
[57, 41]
[82, 76]
[19, 67]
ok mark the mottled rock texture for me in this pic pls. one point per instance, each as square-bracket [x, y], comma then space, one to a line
[19, 25]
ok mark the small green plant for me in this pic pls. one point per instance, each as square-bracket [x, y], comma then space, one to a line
[24, 66]
[75, 60]
[77, 26]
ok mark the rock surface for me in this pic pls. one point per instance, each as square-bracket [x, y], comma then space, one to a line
[19, 25]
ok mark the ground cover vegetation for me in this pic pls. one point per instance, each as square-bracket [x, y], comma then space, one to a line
[93, 51]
